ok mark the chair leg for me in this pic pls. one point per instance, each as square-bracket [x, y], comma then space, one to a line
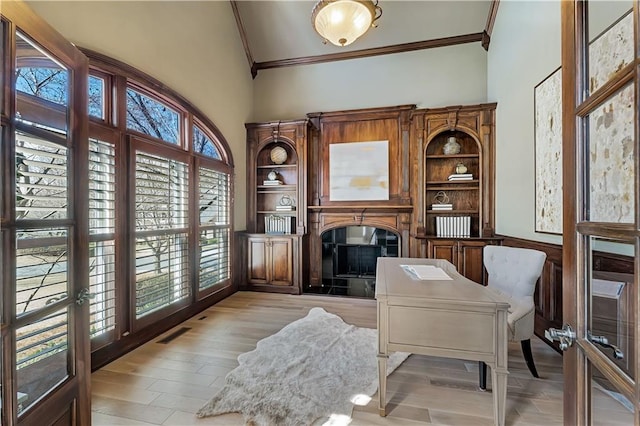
[482, 371]
[528, 356]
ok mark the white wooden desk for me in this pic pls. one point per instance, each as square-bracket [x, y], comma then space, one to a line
[447, 318]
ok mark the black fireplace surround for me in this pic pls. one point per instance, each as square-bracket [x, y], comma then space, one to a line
[349, 257]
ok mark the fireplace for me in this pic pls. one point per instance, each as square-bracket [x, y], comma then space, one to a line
[349, 257]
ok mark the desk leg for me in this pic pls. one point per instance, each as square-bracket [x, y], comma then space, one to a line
[382, 383]
[499, 384]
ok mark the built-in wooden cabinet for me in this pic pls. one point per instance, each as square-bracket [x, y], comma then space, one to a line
[441, 187]
[276, 175]
[270, 260]
[276, 205]
[465, 254]
[289, 163]
[326, 213]
[454, 164]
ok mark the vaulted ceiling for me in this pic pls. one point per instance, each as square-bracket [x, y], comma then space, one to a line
[279, 33]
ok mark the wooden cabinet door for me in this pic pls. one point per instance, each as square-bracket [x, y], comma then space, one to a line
[281, 261]
[443, 249]
[257, 260]
[470, 260]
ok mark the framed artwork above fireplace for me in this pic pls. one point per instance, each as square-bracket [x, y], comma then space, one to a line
[359, 171]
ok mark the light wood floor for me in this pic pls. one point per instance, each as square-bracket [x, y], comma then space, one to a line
[165, 384]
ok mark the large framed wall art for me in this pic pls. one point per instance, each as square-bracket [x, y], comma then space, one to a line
[548, 153]
[610, 155]
[359, 171]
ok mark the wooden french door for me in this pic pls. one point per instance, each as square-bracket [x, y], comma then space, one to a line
[43, 217]
[600, 101]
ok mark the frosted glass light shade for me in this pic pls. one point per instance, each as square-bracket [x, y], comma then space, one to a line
[341, 22]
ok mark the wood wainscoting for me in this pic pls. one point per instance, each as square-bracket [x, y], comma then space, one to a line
[548, 295]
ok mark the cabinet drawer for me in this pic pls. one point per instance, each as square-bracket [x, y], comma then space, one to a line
[437, 328]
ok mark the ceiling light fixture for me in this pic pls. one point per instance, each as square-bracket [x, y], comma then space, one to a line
[341, 22]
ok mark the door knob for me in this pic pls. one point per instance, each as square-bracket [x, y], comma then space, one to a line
[566, 336]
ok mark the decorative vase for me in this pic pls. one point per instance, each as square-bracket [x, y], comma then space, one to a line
[461, 168]
[452, 146]
[278, 155]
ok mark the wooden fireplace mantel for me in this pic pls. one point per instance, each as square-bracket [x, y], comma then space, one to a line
[377, 208]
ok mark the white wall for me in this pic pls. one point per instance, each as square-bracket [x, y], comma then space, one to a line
[443, 76]
[192, 47]
[525, 48]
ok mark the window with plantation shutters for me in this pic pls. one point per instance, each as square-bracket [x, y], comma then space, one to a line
[102, 217]
[156, 206]
[103, 170]
[161, 241]
[214, 211]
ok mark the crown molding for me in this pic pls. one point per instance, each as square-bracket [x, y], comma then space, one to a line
[491, 19]
[374, 51]
[243, 37]
[484, 38]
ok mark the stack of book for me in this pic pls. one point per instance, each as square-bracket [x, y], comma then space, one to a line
[272, 182]
[453, 226]
[442, 206]
[285, 208]
[274, 224]
[460, 176]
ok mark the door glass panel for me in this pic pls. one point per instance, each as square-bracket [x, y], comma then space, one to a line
[42, 87]
[41, 178]
[610, 40]
[611, 151]
[42, 356]
[41, 268]
[611, 301]
[608, 406]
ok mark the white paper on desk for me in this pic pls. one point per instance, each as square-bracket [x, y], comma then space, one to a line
[426, 272]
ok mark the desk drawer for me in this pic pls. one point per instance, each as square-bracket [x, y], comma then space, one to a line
[444, 329]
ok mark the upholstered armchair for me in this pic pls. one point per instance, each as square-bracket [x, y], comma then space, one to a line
[514, 272]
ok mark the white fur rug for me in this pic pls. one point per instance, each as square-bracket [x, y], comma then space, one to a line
[310, 369]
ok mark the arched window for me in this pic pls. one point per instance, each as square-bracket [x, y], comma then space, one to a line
[160, 204]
